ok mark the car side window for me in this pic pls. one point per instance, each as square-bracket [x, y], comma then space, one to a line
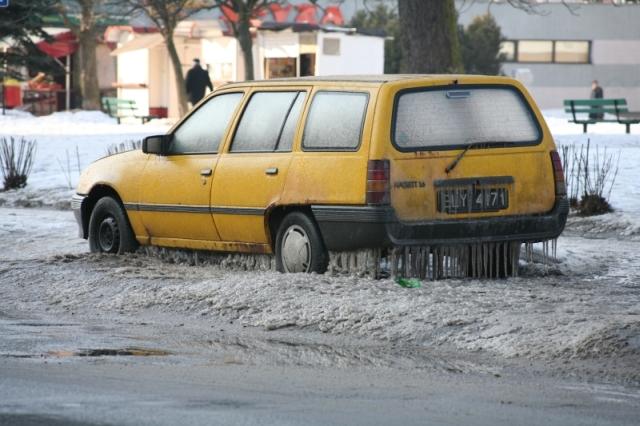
[335, 121]
[263, 121]
[204, 129]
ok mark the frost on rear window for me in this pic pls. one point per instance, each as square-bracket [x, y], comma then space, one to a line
[335, 121]
[434, 118]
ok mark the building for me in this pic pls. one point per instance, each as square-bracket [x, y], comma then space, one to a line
[559, 51]
[280, 49]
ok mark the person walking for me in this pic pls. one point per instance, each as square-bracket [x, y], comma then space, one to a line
[596, 93]
[197, 81]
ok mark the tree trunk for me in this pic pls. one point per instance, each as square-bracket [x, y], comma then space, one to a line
[86, 34]
[89, 87]
[429, 36]
[177, 70]
[246, 44]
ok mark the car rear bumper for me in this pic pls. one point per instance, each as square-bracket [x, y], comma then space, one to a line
[357, 227]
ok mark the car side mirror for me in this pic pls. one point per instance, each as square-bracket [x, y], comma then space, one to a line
[158, 144]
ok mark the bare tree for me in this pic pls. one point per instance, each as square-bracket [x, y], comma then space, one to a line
[165, 15]
[239, 14]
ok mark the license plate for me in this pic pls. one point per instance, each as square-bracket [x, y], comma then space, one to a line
[465, 200]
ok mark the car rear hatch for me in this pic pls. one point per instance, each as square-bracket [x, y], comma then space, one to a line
[468, 151]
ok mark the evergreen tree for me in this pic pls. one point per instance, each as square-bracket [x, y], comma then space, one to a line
[386, 19]
[19, 24]
[481, 46]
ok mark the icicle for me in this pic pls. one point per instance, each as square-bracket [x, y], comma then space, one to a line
[507, 258]
[392, 263]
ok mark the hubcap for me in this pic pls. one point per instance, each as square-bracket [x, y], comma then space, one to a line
[108, 237]
[296, 250]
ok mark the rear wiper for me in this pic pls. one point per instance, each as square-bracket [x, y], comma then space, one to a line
[483, 144]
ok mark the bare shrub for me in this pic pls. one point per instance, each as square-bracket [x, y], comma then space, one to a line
[130, 145]
[66, 169]
[589, 176]
[571, 167]
[16, 161]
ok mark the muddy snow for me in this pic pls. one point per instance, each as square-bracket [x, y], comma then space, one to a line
[586, 306]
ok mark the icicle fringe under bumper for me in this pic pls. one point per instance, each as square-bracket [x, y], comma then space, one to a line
[484, 260]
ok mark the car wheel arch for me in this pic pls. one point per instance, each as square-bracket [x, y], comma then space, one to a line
[275, 214]
[96, 193]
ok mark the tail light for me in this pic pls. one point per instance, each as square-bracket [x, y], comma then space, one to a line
[378, 182]
[558, 174]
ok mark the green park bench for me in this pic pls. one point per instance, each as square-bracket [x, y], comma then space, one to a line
[592, 111]
[123, 108]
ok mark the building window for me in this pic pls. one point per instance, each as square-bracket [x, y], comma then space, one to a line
[508, 51]
[331, 46]
[280, 67]
[547, 51]
[574, 52]
[535, 51]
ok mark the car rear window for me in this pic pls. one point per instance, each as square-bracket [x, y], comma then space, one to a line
[335, 121]
[456, 117]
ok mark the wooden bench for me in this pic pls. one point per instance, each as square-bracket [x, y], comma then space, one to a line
[592, 111]
[123, 108]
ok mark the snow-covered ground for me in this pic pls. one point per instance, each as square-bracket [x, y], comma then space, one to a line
[66, 142]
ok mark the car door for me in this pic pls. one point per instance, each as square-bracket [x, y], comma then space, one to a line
[175, 188]
[251, 173]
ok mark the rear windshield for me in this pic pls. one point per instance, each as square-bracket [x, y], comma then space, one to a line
[456, 117]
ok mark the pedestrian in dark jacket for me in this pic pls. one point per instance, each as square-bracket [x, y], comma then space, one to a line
[596, 93]
[197, 80]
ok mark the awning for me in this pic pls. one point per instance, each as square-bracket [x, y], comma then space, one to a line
[145, 41]
[63, 44]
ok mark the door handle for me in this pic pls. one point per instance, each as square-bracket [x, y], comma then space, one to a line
[206, 172]
[272, 171]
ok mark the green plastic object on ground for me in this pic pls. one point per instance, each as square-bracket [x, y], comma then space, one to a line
[408, 282]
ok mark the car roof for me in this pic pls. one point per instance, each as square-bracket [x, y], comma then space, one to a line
[377, 79]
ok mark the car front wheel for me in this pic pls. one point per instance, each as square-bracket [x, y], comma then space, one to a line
[109, 230]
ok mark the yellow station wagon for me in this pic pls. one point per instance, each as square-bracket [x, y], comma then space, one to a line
[427, 167]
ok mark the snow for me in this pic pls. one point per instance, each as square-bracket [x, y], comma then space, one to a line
[625, 195]
[585, 307]
[67, 141]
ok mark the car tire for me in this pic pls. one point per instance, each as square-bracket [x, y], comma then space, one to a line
[299, 245]
[109, 229]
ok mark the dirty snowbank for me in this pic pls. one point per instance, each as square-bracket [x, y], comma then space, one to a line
[534, 316]
[590, 311]
[586, 307]
[614, 225]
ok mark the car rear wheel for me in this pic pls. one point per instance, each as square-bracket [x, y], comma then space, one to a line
[299, 245]
[109, 230]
